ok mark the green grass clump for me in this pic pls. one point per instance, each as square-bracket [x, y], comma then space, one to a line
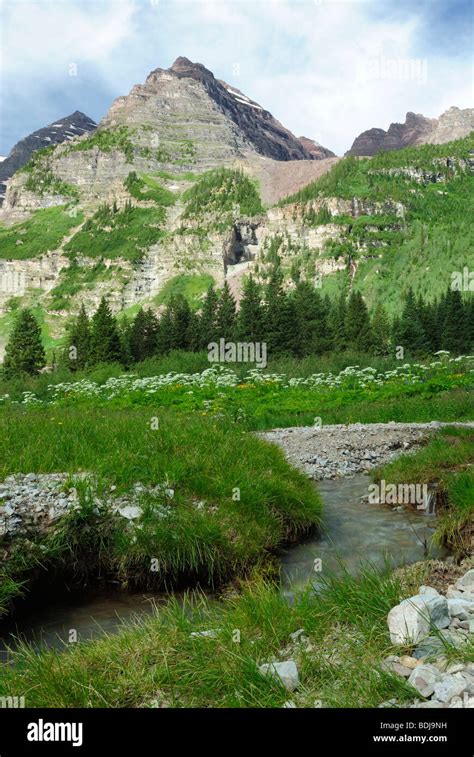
[44, 231]
[191, 286]
[235, 497]
[448, 461]
[145, 188]
[221, 191]
[74, 278]
[118, 138]
[118, 233]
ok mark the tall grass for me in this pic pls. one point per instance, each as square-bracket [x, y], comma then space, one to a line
[235, 497]
[159, 661]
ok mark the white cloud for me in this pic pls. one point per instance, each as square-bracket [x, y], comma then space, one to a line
[51, 33]
[327, 69]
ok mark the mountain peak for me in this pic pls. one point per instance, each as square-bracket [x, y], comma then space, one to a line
[183, 67]
[221, 122]
[62, 130]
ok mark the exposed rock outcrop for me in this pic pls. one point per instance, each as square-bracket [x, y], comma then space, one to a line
[417, 130]
[62, 130]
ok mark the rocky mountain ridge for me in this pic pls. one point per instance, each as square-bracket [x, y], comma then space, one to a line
[62, 130]
[454, 123]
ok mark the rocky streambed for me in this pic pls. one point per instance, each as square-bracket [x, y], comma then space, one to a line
[344, 450]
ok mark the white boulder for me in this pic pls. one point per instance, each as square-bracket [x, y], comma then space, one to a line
[408, 622]
[285, 672]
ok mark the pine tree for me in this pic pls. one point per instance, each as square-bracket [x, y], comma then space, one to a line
[165, 333]
[124, 328]
[338, 320]
[208, 318]
[250, 317]
[274, 323]
[105, 338]
[411, 335]
[180, 319]
[24, 352]
[381, 330]
[454, 325]
[143, 335]
[312, 332]
[78, 348]
[470, 325]
[193, 336]
[226, 314]
[358, 330]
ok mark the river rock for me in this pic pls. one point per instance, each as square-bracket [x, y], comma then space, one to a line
[286, 673]
[449, 687]
[423, 678]
[437, 606]
[461, 608]
[408, 662]
[408, 622]
[466, 581]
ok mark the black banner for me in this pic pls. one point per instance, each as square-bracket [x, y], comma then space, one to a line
[134, 731]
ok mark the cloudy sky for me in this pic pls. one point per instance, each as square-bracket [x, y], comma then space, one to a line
[327, 69]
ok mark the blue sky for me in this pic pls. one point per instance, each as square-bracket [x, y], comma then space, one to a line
[327, 69]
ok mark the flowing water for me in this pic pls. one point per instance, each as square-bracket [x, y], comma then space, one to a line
[353, 531]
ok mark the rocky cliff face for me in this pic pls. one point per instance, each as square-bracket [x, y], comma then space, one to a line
[317, 151]
[60, 131]
[417, 130]
[187, 100]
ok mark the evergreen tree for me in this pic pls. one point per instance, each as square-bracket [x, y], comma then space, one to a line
[165, 333]
[454, 326]
[208, 318]
[431, 327]
[78, 348]
[250, 317]
[470, 324]
[312, 335]
[105, 339]
[274, 323]
[124, 328]
[338, 320]
[180, 320]
[288, 333]
[24, 352]
[358, 330]
[381, 330]
[226, 314]
[193, 336]
[143, 336]
[411, 334]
